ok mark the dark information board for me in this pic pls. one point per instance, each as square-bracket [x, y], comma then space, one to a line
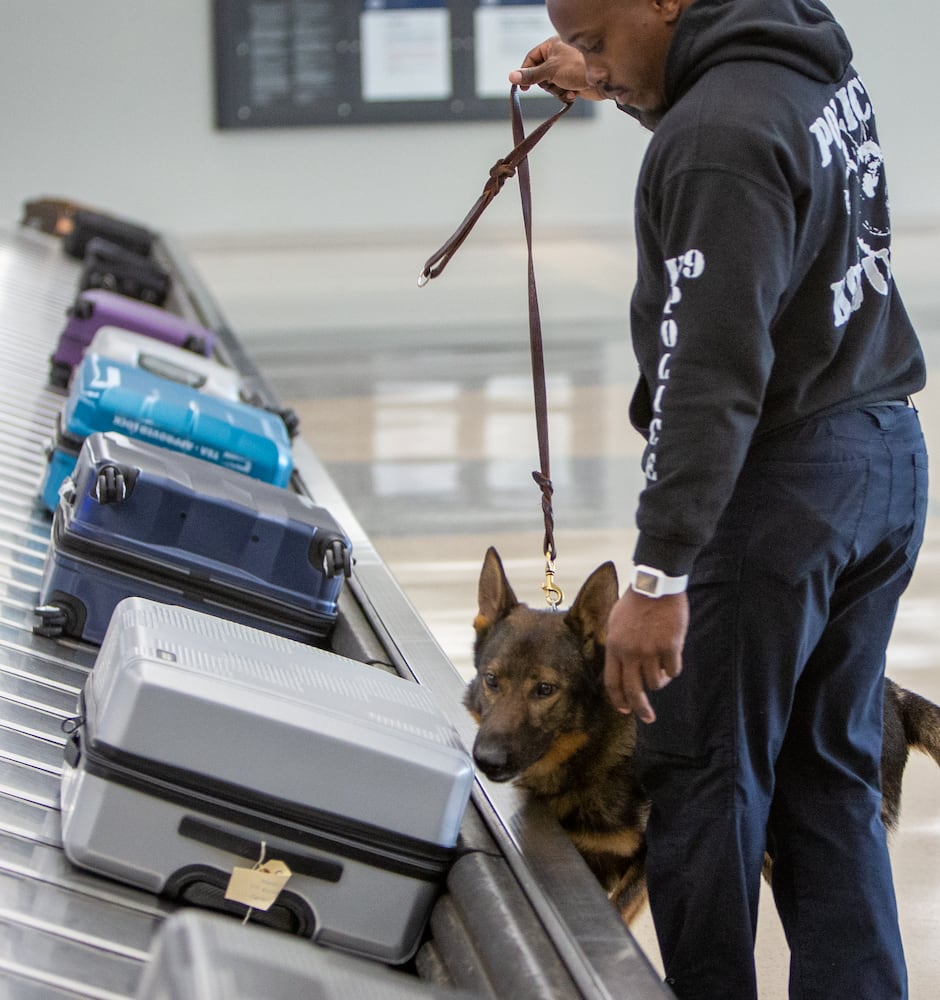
[329, 62]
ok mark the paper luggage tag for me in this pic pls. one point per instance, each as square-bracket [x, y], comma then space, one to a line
[258, 887]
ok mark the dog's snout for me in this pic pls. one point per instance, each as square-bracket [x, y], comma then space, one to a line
[492, 758]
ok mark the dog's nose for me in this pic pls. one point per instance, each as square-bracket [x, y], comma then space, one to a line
[493, 760]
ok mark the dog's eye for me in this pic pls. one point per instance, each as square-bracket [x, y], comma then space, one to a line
[545, 690]
[491, 681]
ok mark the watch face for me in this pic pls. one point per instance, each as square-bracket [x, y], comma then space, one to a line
[645, 582]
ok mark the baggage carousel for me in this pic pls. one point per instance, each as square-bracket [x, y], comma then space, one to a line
[521, 916]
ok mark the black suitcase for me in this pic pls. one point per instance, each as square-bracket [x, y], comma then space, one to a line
[87, 224]
[112, 267]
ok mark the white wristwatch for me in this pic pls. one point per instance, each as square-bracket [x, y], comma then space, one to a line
[654, 583]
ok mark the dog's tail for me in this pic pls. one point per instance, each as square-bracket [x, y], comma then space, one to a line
[910, 722]
[921, 720]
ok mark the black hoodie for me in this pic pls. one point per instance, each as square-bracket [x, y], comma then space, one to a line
[764, 290]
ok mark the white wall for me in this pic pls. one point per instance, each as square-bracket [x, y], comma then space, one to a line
[111, 102]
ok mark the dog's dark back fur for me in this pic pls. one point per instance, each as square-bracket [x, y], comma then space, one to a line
[546, 724]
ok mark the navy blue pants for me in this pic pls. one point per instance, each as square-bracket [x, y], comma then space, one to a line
[771, 736]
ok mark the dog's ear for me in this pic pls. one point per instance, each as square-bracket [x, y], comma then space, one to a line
[495, 597]
[597, 596]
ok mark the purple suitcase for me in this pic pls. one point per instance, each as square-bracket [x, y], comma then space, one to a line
[96, 308]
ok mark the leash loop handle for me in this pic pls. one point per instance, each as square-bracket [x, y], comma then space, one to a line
[502, 169]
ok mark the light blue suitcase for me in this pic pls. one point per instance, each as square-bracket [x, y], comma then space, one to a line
[108, 395]
[207, 375]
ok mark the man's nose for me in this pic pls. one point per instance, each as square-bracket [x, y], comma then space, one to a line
[595, 73]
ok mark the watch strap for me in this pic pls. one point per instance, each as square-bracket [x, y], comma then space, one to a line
[652, 582]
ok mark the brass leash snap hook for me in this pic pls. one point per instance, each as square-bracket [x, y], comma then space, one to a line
[553, 593]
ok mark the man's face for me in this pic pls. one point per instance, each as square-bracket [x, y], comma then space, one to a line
[624, 44]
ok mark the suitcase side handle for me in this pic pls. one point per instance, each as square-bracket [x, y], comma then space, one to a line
[198, 829]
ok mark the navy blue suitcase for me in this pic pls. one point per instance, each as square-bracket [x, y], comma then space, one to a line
[137, 520]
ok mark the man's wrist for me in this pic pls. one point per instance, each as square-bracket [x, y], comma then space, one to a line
[652, 582]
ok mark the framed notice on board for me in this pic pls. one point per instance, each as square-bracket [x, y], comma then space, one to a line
[330, 62]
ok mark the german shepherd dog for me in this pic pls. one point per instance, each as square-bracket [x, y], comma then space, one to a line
[546, 723]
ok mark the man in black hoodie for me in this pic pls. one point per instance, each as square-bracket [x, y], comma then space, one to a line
[786, 480]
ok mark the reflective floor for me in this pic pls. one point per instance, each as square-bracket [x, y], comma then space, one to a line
[420, 404]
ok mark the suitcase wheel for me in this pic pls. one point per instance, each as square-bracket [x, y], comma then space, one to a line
[291, 421]
[59, 373]
[103, 279]
[52, 621]
[336, 559]
[288, 416]
[64, 615]
[195, 344]
[110, 486]
[81, 309]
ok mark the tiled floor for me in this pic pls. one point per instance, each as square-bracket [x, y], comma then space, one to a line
[420, 403]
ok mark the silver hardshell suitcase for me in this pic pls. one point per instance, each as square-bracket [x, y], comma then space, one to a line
[204, 956]
[168, 360]
[204, 746]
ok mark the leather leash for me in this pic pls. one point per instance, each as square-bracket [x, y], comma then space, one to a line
[517, 159]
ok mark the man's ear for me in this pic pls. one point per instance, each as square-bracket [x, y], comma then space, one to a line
[494, 595]
[670, 10]
[597, 596]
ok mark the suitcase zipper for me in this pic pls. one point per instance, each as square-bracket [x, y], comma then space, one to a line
[354, 840]
[201, 590]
